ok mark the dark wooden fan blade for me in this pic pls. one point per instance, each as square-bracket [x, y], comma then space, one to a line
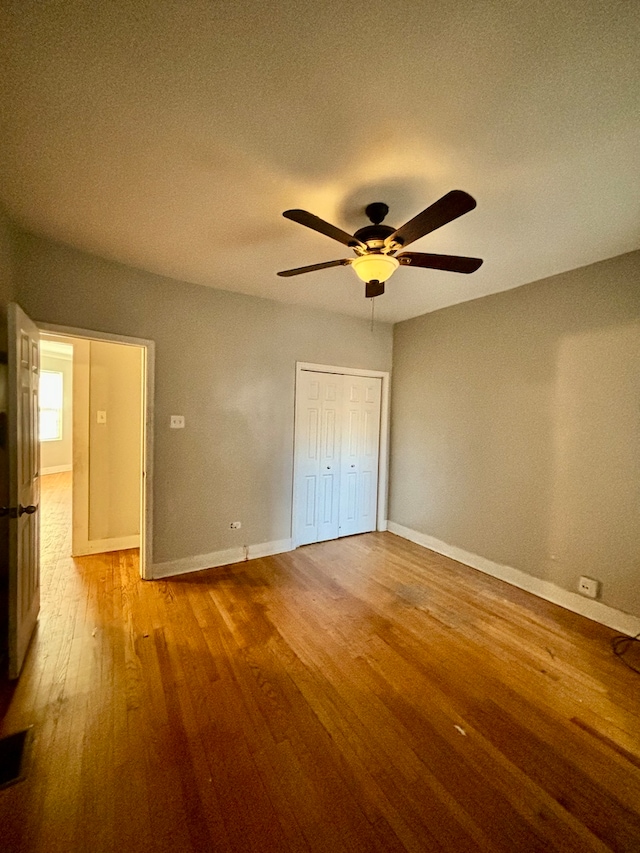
[451, 263]
[449, 207]
[307, 219]
[324, 266]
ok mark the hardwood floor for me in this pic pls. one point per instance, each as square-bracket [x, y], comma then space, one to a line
[360, 695]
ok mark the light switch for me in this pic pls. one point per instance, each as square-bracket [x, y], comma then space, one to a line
[102, 417]
[177, 422]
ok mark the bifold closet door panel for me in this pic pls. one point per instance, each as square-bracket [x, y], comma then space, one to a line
[318, 441]
[359, 456]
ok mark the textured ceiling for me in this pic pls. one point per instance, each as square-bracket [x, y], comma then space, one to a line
[172, 135]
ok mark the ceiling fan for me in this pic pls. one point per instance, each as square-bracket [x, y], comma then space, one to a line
[376, 245]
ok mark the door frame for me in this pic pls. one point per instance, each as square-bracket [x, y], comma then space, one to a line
[383, 449]
[148, 367]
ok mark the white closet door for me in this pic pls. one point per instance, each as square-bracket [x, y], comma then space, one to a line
[359, 457]
[318, 433]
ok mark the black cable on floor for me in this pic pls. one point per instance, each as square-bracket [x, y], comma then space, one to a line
[621, 645]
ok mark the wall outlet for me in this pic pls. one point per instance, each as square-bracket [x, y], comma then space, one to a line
[589, 587]
[235, 525]
[177, 422]
[102, 417]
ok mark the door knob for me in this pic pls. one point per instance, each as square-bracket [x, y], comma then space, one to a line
[15, 512]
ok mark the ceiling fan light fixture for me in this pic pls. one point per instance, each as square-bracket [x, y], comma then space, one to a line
[375, 267]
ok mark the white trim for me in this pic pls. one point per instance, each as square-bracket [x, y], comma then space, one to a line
[269, 549]
[65, 353]
[220, 558]
[55, 469]
[91, 334]
[146, 530]
[383, 448]
[101, 546]
[149, 349]
[595, 610]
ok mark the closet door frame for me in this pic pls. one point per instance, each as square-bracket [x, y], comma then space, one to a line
[383, 450]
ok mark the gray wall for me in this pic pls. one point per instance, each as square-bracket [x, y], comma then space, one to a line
[6, 273]
[516, 428]
[223, 360]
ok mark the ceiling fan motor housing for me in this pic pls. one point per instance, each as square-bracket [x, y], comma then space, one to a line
[374, 235]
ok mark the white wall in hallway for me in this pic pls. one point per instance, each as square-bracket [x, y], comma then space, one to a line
[107, 454]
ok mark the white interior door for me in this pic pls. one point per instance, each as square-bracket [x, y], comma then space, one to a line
[24, 485]
[359, 457]
[317, 441]
[336, 455]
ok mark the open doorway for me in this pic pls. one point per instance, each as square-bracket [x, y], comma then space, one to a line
[23, 451]
[93, 414]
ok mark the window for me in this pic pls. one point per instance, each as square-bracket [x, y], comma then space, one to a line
[50, 405]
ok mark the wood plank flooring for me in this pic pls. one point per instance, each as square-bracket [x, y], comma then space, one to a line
[359, 695]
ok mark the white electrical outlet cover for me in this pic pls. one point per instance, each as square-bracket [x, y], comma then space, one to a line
[589, 587]
[177, 422]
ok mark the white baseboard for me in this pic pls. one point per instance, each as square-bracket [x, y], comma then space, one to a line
[596, 610]
[55, 469]
[220, 558]
[102, 546]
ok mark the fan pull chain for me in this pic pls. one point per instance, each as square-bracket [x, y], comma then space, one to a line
[372, 307]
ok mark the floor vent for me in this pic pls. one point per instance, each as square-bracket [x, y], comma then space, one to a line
[12, 751]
